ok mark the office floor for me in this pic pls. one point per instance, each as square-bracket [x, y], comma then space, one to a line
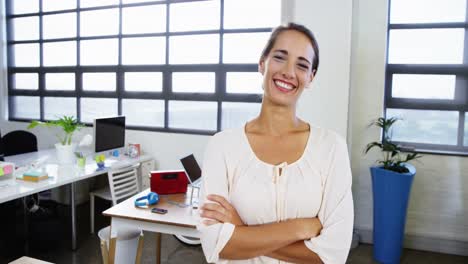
[175, 252]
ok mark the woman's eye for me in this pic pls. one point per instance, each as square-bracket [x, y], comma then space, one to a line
[278, 57]
[303, 66]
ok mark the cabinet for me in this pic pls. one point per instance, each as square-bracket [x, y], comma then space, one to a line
[144, 171]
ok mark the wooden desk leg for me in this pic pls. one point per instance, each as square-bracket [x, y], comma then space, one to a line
[139, 249]
[104, 252]
[112, 245]
[158, 248]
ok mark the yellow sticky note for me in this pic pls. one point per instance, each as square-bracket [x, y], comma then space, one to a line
[1, 171]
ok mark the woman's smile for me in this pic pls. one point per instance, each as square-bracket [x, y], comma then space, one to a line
[284, 86]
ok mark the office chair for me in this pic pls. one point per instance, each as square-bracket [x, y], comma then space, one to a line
[18, 142]
[123, 183]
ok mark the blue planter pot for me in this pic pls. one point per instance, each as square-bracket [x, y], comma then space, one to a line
[391, 192]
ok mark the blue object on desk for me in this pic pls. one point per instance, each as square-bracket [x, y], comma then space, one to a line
[101, 165]
[115, 153]
[150, 199]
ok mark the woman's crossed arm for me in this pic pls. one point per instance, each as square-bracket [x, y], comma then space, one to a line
[283, 240]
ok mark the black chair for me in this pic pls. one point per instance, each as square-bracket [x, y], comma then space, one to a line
[14, 143]
[18, 142]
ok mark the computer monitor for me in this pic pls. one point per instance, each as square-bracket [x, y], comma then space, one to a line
[109, 133]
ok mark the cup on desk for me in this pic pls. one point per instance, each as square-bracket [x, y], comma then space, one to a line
[81, 162]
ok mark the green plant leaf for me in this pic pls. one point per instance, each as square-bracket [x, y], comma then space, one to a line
[372, 145]
[69, 125]
[392, 160]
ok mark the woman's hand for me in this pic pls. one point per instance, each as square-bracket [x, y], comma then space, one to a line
[220, 212]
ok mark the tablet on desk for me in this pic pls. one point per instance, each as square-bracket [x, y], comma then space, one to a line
[192, 170]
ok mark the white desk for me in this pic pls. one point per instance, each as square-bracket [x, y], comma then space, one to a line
[177, 221]
[59, 175]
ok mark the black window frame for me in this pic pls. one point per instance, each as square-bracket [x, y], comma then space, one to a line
[460, 101]
[220, 69]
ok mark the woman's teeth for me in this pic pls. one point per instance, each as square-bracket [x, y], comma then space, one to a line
[284, 85]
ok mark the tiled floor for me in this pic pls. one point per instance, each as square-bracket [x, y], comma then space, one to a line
[173, 251]
[176, 253]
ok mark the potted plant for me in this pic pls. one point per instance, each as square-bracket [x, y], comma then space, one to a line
[65, 147]
[391, 186]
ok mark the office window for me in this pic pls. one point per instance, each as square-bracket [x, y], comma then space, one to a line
[168, 65]
[427, 74]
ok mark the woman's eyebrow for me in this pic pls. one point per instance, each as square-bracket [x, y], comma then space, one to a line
[285, 52]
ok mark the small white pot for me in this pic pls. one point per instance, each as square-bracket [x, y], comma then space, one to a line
[65, 153]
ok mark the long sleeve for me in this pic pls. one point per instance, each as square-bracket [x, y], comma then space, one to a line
[336, 212]
[214, 181]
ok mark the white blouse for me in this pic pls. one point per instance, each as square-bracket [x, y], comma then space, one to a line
[318, 184]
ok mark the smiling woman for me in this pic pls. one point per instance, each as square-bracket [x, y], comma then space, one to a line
[278, 189]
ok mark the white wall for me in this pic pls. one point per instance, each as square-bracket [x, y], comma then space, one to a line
[326, 102]
[437, 215]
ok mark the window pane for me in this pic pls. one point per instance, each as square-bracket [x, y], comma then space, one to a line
[26, 55]
[423, 86]
[140, 112]
[92, 108]
[26, 28]
[25, 6]
[99, 52]
[143, 81]
[144, 19]
[244, 47]
[193, 115]
[426, 46]
[246, 13]
[427, 11]
[425, 126]
[139, 51]
[60, 81]
[244, 82]
[194, 16]
[99, 81]
[60, 53]
[92, 3]
[59, 26]
[193, 82]
[53, 5]
[26, 81]
[237, 114]
[194, 49]
[56, 107]
[25, 107]
[99, 22]
[466, 130]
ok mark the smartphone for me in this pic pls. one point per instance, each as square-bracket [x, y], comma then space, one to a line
[158, 211]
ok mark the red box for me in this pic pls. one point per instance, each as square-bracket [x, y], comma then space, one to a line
[168, 182]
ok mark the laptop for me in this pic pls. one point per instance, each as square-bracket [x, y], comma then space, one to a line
[192, 170]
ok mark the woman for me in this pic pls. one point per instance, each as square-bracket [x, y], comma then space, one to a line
[278, 189]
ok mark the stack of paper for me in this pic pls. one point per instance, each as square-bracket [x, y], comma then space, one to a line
[34, 176]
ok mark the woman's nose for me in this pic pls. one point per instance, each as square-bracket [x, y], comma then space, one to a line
[288, 70]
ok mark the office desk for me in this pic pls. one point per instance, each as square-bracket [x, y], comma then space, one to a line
[59, 175]
[177, 221]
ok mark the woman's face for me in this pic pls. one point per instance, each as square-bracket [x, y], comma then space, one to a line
[287, 69]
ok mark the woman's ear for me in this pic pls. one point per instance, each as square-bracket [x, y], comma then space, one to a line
[312, 76]
[261, 66]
